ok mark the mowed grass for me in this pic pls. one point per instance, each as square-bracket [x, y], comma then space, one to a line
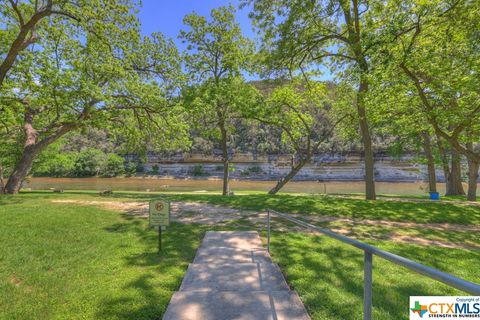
[66, 261]
[63, 261]
[328, 275]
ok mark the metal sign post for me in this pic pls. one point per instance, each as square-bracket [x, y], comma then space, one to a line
[159, 216]
[159, 239]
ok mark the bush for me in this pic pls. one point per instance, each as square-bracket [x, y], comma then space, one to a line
[90, 162]
[198, 170]
[130, 168]
[113, 166]
[86, 163]
[59, 165]
[251, 171]
[155, 169]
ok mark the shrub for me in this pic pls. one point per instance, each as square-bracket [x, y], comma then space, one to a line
[59, 165]
[155, 169]
[198, 170]
[251, 170]
[130, 168]
[90, 162]
[113, 166]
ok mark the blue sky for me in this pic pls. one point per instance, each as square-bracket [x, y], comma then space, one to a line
[166, 16]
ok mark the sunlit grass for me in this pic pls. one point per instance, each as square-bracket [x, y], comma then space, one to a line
[328, 275]
[62, 261]
[68, 261]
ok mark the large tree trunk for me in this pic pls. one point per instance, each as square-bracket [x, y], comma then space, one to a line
[22, 168]
[452, 171]
[427, 147]
[32, 149]
[454, 184]
[367, 141]
[225, 160]
[282, 182]
[473, 167]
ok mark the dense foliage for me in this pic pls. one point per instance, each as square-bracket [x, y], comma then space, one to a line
[405, 78]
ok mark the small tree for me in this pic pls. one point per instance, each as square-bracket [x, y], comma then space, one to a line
[217, 54]
[301, 111]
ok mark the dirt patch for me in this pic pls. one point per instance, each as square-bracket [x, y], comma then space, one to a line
[133, 208]
[184, 212]
[425, 242]
[395, 224]
[15, 281]
[195, 212]
[402, 238]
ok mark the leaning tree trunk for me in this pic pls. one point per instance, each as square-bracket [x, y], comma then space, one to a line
[225, 160]
[427, 147]
[282, 182]
[32, 149]
[367, 141]
[454, 184]
[22, 168]
[473, 167]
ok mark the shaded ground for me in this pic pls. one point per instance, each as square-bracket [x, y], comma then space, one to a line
[425, 234]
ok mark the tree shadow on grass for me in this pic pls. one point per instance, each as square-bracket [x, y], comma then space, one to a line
[11, 199]
[147, 293]
[352, 208]
[328, 276]
[424, 212]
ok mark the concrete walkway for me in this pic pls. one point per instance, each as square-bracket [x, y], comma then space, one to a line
[233, 277]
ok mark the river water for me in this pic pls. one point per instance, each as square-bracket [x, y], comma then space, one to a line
[203, 185]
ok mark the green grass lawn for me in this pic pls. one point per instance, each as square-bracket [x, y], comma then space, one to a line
[67, 261]
[61, 261]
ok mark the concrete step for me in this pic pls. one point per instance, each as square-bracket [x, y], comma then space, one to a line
[249, 240]
[230, 255]
[228, 305]
[233, 277]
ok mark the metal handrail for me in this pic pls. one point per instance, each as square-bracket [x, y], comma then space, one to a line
[369, 251]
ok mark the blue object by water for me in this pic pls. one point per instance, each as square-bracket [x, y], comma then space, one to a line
[434, 196]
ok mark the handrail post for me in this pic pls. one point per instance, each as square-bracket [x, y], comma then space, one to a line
[268, 231]
[367, 289]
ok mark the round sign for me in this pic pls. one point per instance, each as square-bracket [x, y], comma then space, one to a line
[159, 206]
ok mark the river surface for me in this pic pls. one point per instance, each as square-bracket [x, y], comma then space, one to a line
[203, 185]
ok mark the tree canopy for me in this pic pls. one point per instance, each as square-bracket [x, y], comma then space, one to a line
[404, 76]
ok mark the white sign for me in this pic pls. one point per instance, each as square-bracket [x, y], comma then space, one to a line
[159, 213]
